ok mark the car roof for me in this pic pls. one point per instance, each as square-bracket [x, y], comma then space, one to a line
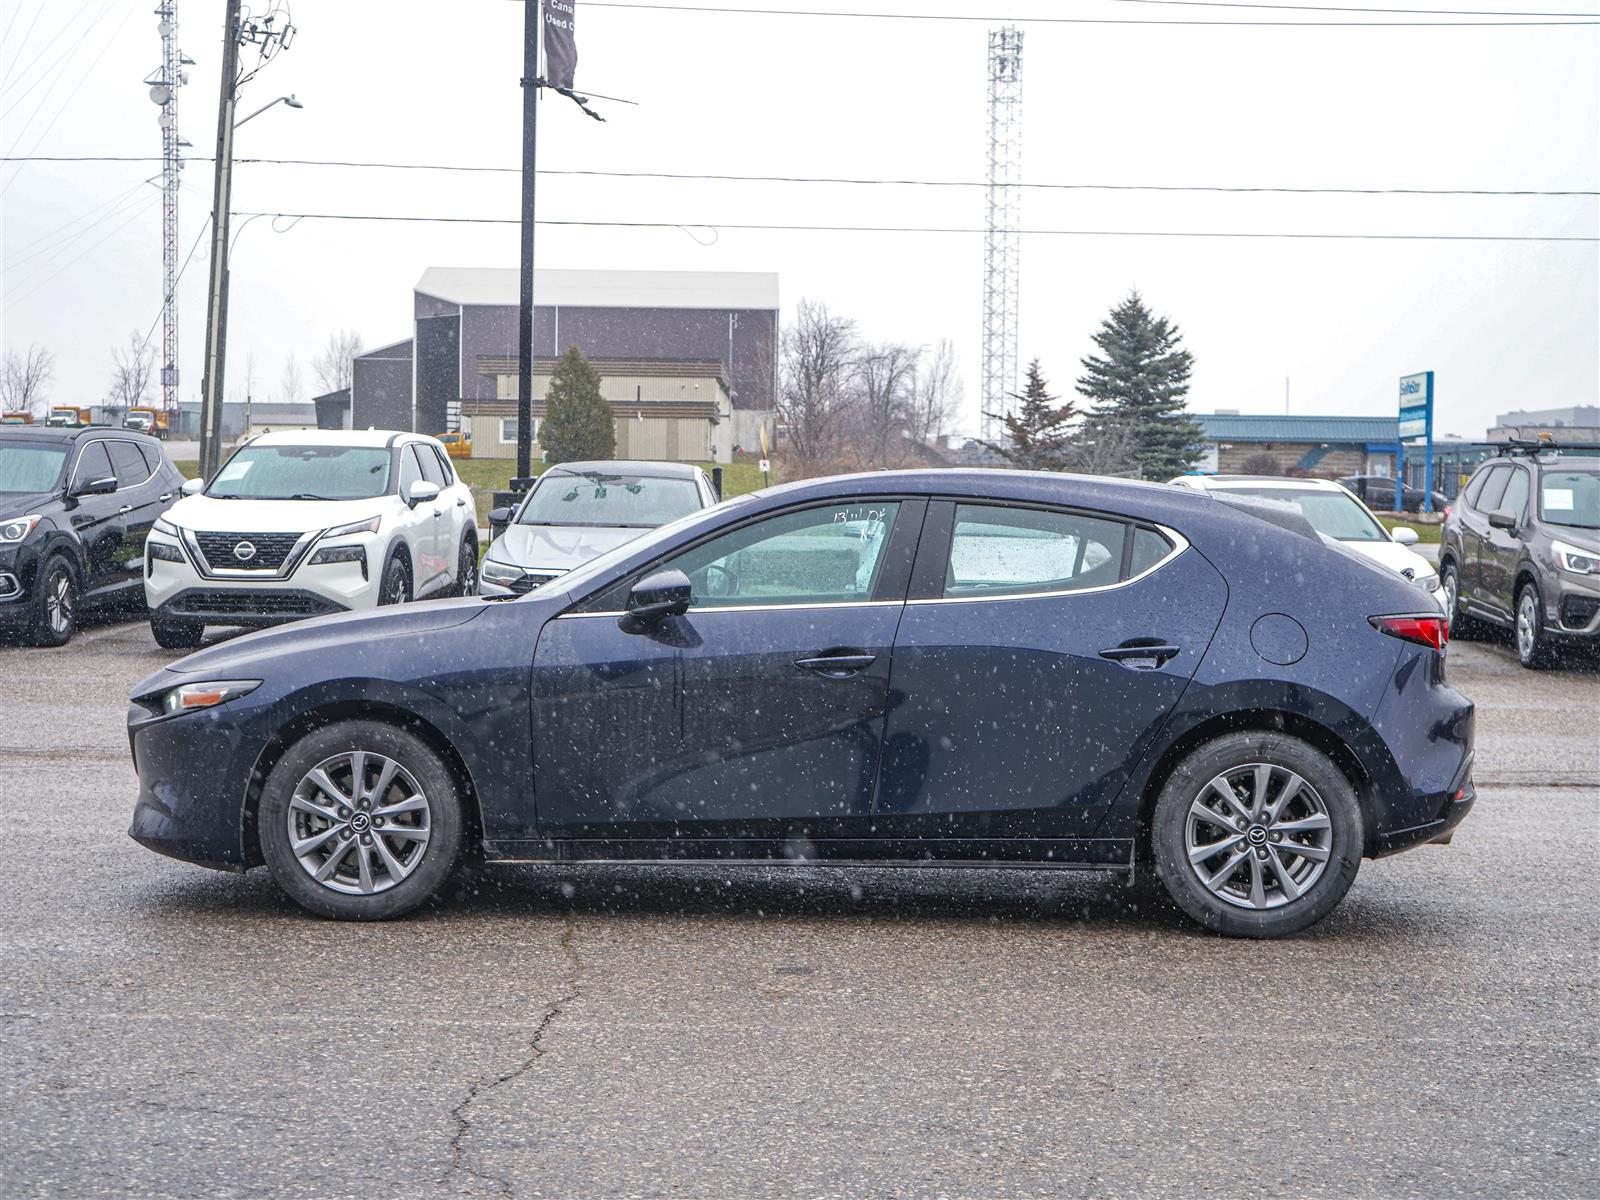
[623, 466]
[337, 437]
[1220, 483]
[1549, 459]
[45, 433]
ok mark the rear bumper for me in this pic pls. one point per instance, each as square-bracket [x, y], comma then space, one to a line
[1453, 809]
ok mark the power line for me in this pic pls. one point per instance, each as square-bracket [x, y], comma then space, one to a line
[1434, 12]
[924, 229]
[1010, 20]
[836, 179]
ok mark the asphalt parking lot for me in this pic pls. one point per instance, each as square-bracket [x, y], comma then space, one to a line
[169, 1031]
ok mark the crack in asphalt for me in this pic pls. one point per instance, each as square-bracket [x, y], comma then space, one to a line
[478, 1091]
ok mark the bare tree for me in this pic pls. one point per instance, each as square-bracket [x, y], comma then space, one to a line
[333, 365]
[1103, 447]
[936, 394]
[817, 358]
[24, 379]
[131, 368]
[291, 387]
[885, 379]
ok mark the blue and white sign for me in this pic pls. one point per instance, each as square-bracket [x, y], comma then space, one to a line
[1416, 424]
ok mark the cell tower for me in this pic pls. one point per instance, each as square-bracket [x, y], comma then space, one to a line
[164, 91]
[1001, 253]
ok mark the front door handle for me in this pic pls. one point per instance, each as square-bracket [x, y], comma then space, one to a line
[1141, 657]
[837, 666]
[165, 496]
[460, 503]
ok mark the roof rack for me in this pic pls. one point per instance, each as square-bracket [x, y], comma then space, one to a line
[1530, 447]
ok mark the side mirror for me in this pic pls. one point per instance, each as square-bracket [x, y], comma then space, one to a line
[656, 597]
[499, 516]
[1404, 535]
[1502, 518]
[193, 487]
[95, 487]
[421, 492]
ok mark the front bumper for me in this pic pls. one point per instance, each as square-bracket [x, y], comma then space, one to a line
[19, 564]
[1572, 607]
[179, 590]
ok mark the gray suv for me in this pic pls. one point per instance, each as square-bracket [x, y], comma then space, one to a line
[1520, 548]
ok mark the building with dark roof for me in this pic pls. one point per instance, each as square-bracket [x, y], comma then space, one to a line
[1327, 446]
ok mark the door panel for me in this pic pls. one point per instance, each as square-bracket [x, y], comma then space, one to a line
[1501, 548]
[98, 521]
[138, 504]
[1475, 533]
[1007, 720]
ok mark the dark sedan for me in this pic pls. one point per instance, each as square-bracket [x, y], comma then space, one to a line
[905, 668]
[1377, 493]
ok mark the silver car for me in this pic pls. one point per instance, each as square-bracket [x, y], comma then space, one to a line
[578, 511]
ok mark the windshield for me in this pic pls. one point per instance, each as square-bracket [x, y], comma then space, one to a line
[608, 501]
[1333, 514]
[303, 473]
[1570, 498]
[25, 468]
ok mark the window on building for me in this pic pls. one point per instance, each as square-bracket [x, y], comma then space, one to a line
[508, 429]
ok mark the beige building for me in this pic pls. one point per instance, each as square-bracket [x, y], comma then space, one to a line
[665, 411]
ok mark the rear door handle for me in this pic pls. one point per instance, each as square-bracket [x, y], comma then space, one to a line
[165, 496]
[126, 508]
[837, 666]
[1141, 657]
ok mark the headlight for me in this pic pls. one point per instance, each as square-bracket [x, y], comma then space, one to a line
[354, 527]
[499, 572]
[167, 527]
[1568, 558]
[1428, 582]
[164, 552]
[18, 528]
[190, 696]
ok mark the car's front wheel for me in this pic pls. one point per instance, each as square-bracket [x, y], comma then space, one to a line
[1462, 627]
[1257, 835]
[55, 600]
[361, 821]
[467, 568]
[396, 586]
[1533, 647]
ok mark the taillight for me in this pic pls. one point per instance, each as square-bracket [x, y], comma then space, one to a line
[1425, 631]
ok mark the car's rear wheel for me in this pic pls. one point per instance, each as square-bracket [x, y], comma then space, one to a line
[361, 821]
[1533, 647]
[1257, 835]
[55, 601]
[396, 588]
[172, 633]
[1462, 627]
[467, 568]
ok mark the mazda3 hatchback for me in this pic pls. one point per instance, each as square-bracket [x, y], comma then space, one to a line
[911, 668]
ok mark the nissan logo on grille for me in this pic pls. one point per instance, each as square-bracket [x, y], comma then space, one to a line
[244, 551]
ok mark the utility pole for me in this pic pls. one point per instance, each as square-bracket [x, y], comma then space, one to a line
[217, 295]
[531, 20]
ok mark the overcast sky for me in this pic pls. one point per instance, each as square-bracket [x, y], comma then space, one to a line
[1504, 324]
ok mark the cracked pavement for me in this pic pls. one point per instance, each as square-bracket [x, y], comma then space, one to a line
[169, 1031]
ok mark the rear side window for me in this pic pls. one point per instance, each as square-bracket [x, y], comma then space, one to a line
[448, 471]
[1516, 498]
[152, 457]
[1493, 488]
[1149, 548]
[1014, 551]
[92, 464]
[128, 463]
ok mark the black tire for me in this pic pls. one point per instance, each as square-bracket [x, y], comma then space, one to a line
[1463, 628]
[174, 633]
[1244, 751]
[55, 603]
[467, 567]
[438, 856]
[396, 587]
[1527, 631]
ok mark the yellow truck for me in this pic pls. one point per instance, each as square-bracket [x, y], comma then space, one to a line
[154, 421]
[69, 416]
[457, 445]
[16, 418]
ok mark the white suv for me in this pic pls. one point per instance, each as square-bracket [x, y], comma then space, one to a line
[298, 524]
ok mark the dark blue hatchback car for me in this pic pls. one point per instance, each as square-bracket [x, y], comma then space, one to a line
[899, 668]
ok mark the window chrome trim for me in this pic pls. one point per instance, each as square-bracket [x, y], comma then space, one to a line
[1179, 545]
[744, 608]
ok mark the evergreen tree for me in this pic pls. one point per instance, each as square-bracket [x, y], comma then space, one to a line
[1038, 435]
[1139, 386]
[578, 422]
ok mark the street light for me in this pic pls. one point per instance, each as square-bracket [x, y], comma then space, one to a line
[289, 100]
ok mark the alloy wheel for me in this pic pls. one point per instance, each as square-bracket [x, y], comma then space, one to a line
[1450, 587]
[58, 602]
[359, 823]
[469, 569]
[1527, 624]
[1258, 836]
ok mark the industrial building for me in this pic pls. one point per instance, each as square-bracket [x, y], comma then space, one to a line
[1328, 446]
[689, 359]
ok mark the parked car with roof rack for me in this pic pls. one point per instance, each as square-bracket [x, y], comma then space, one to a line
[76, 506]
[1521, 550]
[303, 523]
[579, 510]
[1337, 516]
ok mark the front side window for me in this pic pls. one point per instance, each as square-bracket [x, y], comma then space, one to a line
[431, 470]
[1475, 488]
[1570, 498]
[410, 469]
[303, 473]
[829, 555]
[608, 500]
[1515, 500]
[25, 468]
[1016, 551]
[1494, 487]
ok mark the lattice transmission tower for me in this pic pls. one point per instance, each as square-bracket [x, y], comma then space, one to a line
[164, 85]
[1001, 252]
